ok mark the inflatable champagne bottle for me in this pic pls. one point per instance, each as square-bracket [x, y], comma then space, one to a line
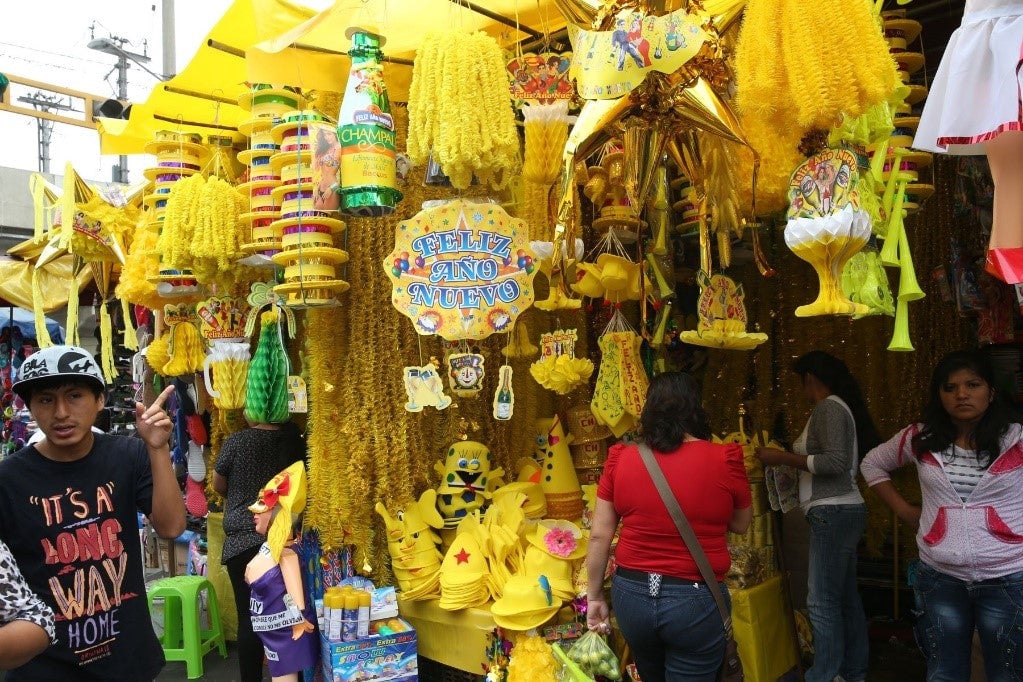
[366, 133]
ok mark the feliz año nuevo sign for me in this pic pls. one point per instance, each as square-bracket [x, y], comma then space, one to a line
[461, 270]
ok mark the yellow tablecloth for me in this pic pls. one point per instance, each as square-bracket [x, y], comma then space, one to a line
[763, 631]
[216, 573]
[454, 638]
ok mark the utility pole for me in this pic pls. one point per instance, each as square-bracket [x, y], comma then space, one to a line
[44, 127]
[114, 45]
[170, 67]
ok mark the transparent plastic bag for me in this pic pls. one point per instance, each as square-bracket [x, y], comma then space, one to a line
[594, 657]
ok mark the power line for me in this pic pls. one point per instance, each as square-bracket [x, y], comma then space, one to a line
[52, 53]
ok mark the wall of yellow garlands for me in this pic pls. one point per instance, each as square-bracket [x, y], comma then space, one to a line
[364, 446]
[894, 384]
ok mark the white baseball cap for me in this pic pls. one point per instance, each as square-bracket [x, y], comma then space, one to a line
[70, 362]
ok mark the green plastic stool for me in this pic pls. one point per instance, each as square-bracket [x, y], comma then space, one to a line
[183, 639]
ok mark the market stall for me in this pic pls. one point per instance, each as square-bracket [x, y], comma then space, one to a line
[456, 257]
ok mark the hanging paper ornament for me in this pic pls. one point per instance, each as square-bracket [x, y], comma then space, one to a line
[540, 78]
[622, 382]
[465, 373]
[826, 225]
[424, 387]
[464, 289]
[266, 396]
[864, 281]
[722, 316]
[366, 133]
[558, 369]
[185, 346]
[504, 396]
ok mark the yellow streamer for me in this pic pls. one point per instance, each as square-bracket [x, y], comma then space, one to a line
[106, 336]
[131, 342]
[42, 335]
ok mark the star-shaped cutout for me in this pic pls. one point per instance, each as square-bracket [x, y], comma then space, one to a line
[463, 556]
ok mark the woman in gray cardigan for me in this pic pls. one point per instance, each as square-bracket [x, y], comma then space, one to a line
[827, 454]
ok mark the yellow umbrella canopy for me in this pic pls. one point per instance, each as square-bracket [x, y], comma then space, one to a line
[312, 54]
[203, 97]
[280, 42]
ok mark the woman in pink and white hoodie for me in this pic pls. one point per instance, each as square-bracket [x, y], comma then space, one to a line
[968, 452]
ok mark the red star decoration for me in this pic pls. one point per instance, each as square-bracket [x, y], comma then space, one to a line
[463, 556]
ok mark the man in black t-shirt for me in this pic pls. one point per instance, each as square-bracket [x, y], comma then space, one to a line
[68, 512]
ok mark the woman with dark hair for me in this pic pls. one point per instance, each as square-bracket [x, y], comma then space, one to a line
[246, 461]
[838, 432]
[664, 609]
[968, 453]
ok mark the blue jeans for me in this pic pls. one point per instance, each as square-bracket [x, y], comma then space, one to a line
[947, 612]
[833, 602]
[674, 637]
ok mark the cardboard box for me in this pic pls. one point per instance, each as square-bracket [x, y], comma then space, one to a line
[373, 659]
[174, 557]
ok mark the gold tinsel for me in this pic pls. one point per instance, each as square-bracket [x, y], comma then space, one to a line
[363, 445]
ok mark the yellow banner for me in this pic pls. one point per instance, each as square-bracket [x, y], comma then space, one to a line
[609, 64]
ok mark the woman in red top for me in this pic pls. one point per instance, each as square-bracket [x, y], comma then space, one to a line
[663, 608]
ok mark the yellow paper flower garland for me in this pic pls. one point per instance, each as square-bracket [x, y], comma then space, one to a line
[179, 220]
[820, 80]
[218, 231]
[460, 110]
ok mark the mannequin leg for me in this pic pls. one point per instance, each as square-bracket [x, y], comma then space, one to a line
[1005, 254]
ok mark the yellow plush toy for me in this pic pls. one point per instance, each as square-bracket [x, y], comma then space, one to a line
[467, 480]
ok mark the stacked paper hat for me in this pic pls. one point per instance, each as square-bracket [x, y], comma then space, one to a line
[464, 572]
[303, 233]
[605, 187]
[687, 206]
[178, 155]
[412, 544]
[901, 33]
[267, 102]
[527, 477]
[589, 438]
[502, 524]
[527, 603]
[262, 179]
[553, 548]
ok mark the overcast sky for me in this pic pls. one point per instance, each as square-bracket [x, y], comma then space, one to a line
[46, 40]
